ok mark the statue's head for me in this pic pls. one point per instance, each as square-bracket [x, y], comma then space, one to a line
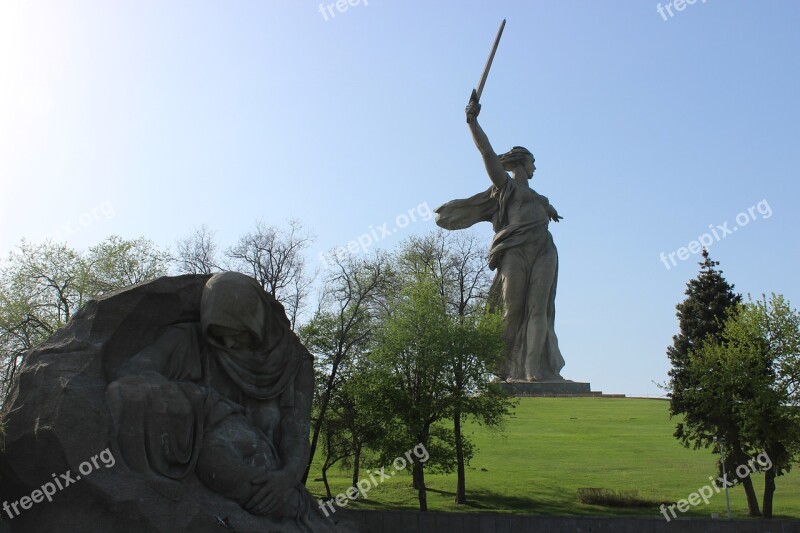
[233, 311]
[249, 336]
[519, 156]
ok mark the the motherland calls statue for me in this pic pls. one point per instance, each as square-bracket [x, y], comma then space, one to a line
[522, 252]
[200, 395]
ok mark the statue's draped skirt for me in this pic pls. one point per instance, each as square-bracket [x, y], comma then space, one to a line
[526, 261]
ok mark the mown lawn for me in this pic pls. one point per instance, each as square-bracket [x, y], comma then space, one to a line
[553, 446]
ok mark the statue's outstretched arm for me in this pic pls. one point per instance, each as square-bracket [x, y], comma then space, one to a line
[551, 211]
[494, 167]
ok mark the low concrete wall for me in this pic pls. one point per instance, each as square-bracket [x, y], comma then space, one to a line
[548, 388]
[409, 521]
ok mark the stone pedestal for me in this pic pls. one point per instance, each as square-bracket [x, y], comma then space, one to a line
[550, 388]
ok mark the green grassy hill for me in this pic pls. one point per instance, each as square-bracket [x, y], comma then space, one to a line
[553, 446]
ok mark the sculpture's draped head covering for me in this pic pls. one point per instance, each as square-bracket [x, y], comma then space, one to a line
[237, 302]
[514, 157]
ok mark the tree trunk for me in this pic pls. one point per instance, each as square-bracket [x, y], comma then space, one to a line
[752, 499]
[418, 472]
[325, 481]
[356, 463]
[769, 491]
[739, 457]
[323, 408]
[461, 491]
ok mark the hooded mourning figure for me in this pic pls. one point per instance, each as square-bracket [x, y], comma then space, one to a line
[195, 391]
[227, 398]
[248, 339]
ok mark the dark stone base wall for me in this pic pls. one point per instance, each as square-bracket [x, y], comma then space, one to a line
[549, 388]
[410, 521]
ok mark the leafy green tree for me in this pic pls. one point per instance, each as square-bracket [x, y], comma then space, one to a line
[353, 422]
[746, 389]
[476, 347]
[415, 358]
[117, 262]
[414, 370]
[43, 285]
[774, 422]
[709, 301]
[340, 335]
[458, 264]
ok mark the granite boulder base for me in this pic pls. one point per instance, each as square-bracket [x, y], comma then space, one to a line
[160, 424]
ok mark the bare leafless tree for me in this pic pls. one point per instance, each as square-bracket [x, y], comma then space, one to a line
[198, 252]
[458, 261]
[274, 257]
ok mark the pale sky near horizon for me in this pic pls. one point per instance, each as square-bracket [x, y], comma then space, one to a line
[148, 118]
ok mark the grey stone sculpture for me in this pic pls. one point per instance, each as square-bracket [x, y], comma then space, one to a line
[522, 253]
[199, 389]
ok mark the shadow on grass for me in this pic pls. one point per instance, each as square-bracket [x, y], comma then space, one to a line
[487, 501]
[370, 504]
[483, 501]
[552, 502]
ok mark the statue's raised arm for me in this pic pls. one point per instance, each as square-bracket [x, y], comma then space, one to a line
[493, 165]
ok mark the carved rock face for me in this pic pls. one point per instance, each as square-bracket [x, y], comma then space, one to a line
[58, 421]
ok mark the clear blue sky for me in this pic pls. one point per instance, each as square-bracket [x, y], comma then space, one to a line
[150, 117]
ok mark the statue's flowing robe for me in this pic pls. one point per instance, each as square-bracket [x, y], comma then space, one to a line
[517, 251]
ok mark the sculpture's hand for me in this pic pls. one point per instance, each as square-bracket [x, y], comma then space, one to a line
[275, 489]
[555, 217]
[473, 108]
